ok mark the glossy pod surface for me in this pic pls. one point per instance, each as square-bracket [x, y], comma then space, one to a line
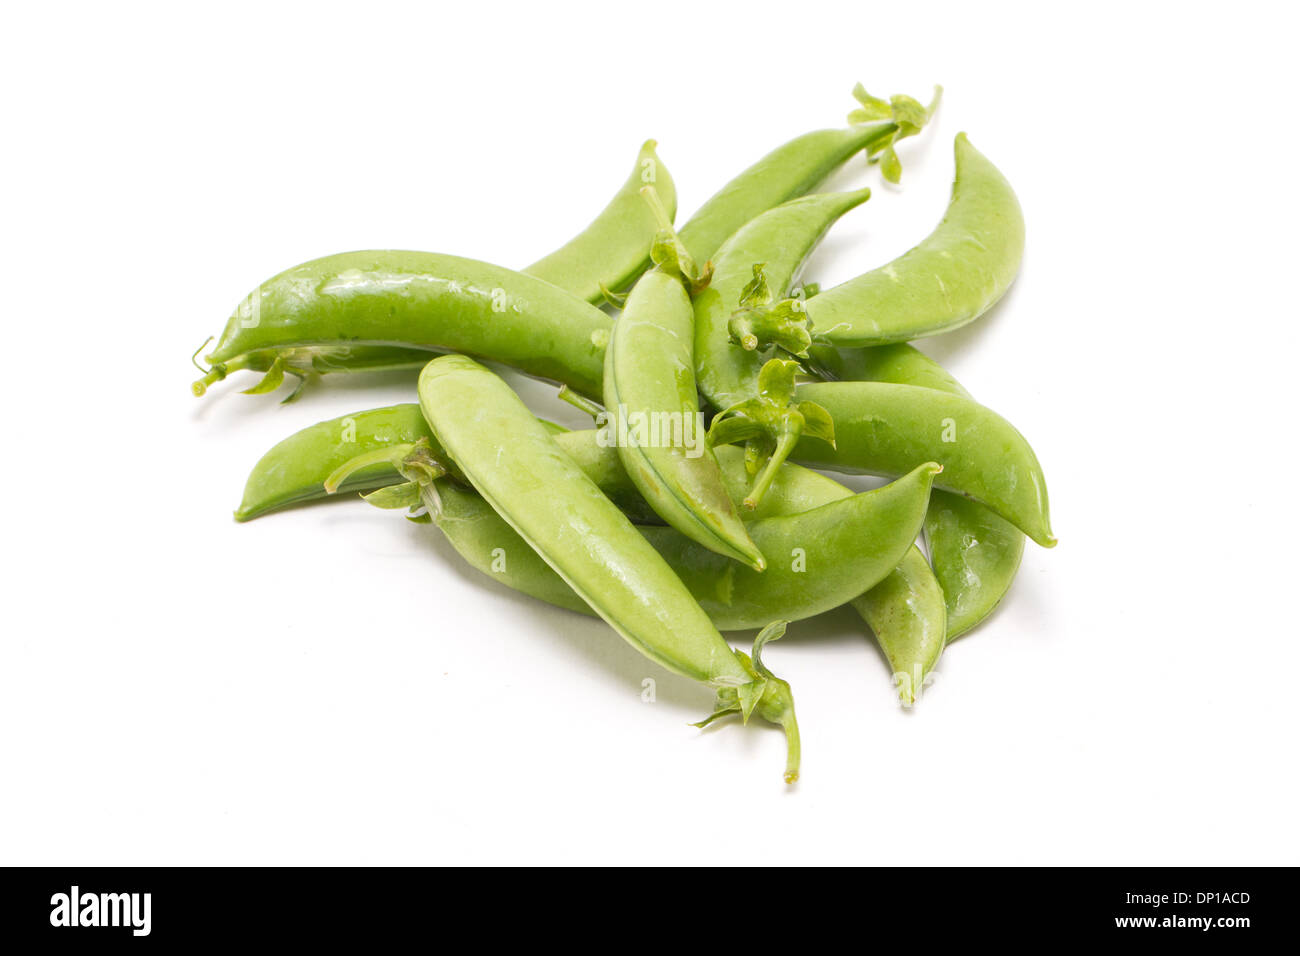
[886, 429]
[424, 300]
[974, 552]
[780, 239]
[952, 277]
[513, 462]
[650, 382]
[615, 248]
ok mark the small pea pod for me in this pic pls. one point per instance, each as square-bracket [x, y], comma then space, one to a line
[975, 553]
[885, 429]
[518, 469]
[418, 300]
[905, 611]
[614, 250]
[952, 277]
[650, 391]
[756, 267]
[295, 470]
[801, 165]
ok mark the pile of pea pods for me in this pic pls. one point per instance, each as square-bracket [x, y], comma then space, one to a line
[715, 379]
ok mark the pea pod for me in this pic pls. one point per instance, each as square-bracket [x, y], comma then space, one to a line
[905, 610]
[799, 166]
[817, 559]
[885, 429]
[295, 470]
[650, 383]
[611, 252]
[518, 469]
[952, 277]
[975, 553]
[760, 262]
[422, 300]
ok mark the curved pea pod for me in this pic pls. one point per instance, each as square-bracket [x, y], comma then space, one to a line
[614, 250]
[516, 466]
[885, 429]
[295, 470]
[418, 300]
[817, 560]
[756, 266]
[650, 391]
[975, 553]
[828, 555]
[952, 277]
[799, 166]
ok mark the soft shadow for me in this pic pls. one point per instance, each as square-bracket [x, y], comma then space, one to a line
[595, 640]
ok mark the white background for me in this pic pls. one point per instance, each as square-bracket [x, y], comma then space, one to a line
[333, 686]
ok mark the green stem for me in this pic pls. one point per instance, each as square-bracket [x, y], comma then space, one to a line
[792, 748]
[785, 444]
[580, 402]
[391, 455]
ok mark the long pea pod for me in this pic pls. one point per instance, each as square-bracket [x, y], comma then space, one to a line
[952, 277]
[614, 250]
[975, 553]
[604, 258]
[419, 300]
[885, 429]
[516, 466]
[801, 165]
[651, 394]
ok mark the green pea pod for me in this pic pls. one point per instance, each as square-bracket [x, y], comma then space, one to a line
[650, 392]
[885, 429]
[800, 166]
[756, 266]
[817, 559]
[975, 553]
[514, 463]
[295, 470]
[614, 250]
[419, 300]
[952, 277]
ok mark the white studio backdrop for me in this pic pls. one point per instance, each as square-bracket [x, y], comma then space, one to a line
[332, 685]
